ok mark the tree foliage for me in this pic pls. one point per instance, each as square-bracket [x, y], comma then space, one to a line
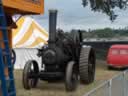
[106, 33]
[106, 6]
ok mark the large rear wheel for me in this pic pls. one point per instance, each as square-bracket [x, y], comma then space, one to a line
[87, 65]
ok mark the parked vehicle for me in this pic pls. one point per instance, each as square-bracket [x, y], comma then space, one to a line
[118, 56]
[65, 58]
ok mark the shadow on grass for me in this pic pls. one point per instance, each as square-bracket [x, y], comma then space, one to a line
[51, 86]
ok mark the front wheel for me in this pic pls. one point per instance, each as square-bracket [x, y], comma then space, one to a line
[31, 68]
[110, 67]
[13, 57]
[71, 78]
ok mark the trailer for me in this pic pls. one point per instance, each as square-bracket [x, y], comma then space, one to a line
[7, 57]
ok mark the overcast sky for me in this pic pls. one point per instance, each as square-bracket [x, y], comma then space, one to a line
[72, 15]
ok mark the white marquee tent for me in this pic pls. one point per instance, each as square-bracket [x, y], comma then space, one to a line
[26, 39]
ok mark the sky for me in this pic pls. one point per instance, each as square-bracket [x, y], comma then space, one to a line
[72, 15]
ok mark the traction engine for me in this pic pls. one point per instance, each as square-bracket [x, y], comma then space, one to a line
[65, 57]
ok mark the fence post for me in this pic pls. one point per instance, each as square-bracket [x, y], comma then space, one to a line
[110, 87]
[124, 84]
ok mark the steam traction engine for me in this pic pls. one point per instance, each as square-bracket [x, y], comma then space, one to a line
[65, 57]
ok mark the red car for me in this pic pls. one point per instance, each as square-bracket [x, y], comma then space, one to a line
[118, 56]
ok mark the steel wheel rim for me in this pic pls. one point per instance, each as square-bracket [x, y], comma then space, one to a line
[30, 71]
[91, 68]
[74, 77]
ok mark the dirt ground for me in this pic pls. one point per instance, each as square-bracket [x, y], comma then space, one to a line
[58, 89]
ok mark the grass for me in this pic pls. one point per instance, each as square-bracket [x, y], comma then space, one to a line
[58, 89]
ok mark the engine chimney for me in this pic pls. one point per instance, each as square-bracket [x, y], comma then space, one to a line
[52, 27]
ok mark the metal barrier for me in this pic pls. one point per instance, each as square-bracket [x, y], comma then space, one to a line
[117, 86]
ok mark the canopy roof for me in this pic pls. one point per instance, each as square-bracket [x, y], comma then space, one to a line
[23, 6]
[29, 34]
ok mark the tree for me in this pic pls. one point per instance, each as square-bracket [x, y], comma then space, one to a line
[106, 6]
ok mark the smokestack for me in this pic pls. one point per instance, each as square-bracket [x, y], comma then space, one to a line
[80, 35]
[52, 26]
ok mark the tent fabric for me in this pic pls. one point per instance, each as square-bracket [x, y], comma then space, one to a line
[25, 54]
[29, 34]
